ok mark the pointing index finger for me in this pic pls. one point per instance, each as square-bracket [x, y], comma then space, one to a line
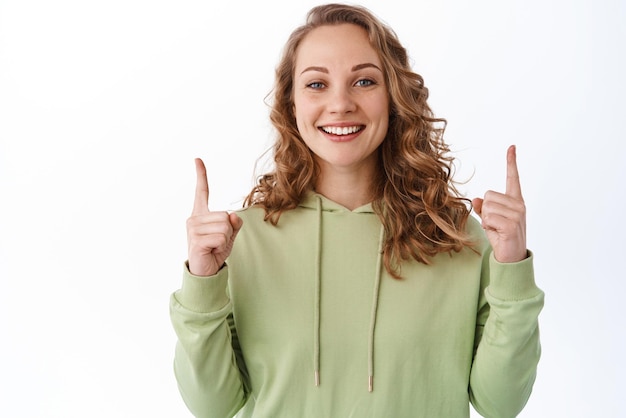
[513, 187]
[201, 201]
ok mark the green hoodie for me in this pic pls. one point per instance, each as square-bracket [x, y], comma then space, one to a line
[304, 321]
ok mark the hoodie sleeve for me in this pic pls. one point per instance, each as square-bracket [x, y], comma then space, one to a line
[507, 347]
[206, 361]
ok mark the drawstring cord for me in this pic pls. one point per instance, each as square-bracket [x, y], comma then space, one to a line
[317, 302]
[318, 297]
[372, 331]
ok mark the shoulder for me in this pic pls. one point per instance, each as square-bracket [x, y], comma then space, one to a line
[255, 222]
[476, 233]
[251, 214]
[473, 226]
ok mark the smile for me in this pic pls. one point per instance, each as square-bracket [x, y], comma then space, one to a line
[342, 130]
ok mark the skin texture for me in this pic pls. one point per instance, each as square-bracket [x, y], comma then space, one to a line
[338, 82]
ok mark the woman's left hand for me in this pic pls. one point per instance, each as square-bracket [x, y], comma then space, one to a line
[504, 216]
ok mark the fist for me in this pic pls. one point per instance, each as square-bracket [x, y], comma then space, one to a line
[503, 216]
[210, 235]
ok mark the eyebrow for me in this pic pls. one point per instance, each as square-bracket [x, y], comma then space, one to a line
[355, 68]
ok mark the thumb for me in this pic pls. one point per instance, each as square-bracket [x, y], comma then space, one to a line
[236, 222]
[477, 203]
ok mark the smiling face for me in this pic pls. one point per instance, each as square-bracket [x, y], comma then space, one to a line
[340, 98]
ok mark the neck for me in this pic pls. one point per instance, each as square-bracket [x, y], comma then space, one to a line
[351, 189]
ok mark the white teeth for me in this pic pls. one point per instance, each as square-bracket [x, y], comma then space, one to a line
[336, 130]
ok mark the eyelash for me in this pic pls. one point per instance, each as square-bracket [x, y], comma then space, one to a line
[318, 85]
[366, 80]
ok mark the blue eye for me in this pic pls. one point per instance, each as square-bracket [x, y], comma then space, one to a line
[365, 82]
[316, 85]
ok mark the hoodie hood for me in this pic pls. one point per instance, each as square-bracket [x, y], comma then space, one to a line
[313, 200]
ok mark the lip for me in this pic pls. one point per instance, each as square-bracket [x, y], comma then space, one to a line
[342, 138]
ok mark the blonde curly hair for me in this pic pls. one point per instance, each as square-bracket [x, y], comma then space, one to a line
[415, 197]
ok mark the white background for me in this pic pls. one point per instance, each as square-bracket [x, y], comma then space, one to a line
[104, 105]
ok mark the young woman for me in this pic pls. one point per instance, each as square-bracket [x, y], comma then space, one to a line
[355, 283]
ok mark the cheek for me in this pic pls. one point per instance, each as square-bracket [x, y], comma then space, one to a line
[381, 109]
[304, 114]
[299, 124]
[377, 106]
[297, 113]
[296, 107]
[385, 107]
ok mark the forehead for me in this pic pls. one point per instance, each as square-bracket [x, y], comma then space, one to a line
[331, 45]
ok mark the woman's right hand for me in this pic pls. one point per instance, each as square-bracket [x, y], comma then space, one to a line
[210, 235]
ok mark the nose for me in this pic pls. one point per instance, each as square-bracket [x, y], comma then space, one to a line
[341, 101]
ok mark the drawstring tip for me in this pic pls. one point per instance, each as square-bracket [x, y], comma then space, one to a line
[370, 383]
[317, 378]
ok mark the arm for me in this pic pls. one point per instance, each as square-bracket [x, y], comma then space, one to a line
[206, 363]
[507, 347]
[507, 336]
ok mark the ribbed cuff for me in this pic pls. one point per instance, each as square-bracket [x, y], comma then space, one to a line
[204, 294]
[513, 281]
